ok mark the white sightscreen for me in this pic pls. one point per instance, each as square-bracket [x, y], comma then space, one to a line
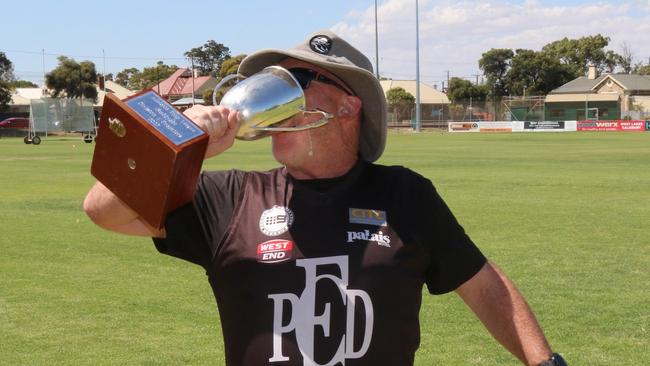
[62, 115]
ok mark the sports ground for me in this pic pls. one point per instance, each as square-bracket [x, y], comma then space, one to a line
[566, 215]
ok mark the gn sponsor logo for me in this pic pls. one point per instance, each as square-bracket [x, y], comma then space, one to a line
[368, 217]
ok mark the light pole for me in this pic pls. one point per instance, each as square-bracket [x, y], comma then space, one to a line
[376, 44]
[417, 69]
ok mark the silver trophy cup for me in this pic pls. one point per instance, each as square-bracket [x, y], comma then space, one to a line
[267, 101]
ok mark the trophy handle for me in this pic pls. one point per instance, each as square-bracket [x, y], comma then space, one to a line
[221, 83]
[326, 117]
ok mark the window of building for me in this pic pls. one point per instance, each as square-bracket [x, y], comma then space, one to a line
[557, 112]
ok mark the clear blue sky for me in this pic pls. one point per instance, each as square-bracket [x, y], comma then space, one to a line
[137, 33]
[453, 34]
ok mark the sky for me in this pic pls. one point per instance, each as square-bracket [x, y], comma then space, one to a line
[119, 34]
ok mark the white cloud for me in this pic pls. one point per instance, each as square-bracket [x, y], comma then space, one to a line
[453, 34]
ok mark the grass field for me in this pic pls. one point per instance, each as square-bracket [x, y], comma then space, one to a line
[567, 216]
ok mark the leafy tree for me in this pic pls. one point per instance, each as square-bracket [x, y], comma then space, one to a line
[22, 84]
[400, 101]
[6, 77]
[535, 73]
[539, 72]
[579, 53]
[209, 57]
[461, 90]
[72, 78]
[151, 76]
[230, 66]
[642, 69]
[207, 96]
[495, 63]
[124, 77]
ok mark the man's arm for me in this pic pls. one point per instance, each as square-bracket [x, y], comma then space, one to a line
[109, 212]
[506, 315]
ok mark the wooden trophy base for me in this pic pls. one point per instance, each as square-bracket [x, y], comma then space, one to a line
[148, 154]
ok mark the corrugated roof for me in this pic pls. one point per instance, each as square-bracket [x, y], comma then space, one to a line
[180, 83]
[632, 82]
[582, 97]
[115, 88]
[428, 95]
[579, 85]
[584, 85]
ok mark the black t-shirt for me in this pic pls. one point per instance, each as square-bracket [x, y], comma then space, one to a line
[321, 272]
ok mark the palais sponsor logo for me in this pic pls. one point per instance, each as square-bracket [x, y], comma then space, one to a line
[368, 217]
[274, 251]
[276, 220]
[366, 235]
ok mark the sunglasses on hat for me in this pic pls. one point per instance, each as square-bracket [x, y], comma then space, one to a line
[305, 76]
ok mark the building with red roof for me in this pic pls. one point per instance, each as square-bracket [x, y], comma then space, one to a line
[179, 85]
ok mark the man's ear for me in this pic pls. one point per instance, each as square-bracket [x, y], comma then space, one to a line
[349, 106]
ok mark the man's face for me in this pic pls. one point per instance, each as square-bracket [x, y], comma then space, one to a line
[295, 149]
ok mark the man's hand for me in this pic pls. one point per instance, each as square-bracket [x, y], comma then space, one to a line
[219, 122]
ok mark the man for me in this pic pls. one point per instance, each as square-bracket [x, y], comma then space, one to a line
[322, 261]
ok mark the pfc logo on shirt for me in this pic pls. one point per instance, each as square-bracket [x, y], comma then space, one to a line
[306, 323]
[276, 220]
[368, 217]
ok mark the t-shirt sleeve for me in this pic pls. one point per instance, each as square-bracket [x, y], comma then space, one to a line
[454, 256]
[194, 231]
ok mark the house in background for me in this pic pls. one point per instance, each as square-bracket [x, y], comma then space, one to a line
[179, 85]
[605, 97]
[108, 86]
[433, 103]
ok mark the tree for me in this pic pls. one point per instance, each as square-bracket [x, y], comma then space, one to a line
[209, 57]
[207, 96]
[641, 69]
[461, 90]
[538, 72]
[74, 79]
[151, 76]
[22, 84]
[579, 53]
[124, 77]
[401, 102]
[6, 77]
[535, 73]
[230, 66]
[495, 63]
[625, 59]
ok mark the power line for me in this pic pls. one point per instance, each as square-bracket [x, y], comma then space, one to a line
[95, 57]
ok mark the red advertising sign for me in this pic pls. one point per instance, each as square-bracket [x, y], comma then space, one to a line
[615, 125]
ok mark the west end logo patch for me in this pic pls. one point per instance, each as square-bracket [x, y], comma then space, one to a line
[274, 251]
[276, 220]
[368, 217]
[321, 44]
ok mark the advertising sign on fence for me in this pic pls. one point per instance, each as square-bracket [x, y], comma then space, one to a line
[632, 126]
[617, 125]
[497, 126]
[463, 127]
[647, 125]
[544, 125]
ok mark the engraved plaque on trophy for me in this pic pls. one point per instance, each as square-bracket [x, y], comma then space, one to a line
[148, 154]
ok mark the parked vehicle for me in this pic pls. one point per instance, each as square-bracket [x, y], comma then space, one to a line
[15, 122]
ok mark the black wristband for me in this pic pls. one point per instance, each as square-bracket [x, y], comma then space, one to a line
[555, 360]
